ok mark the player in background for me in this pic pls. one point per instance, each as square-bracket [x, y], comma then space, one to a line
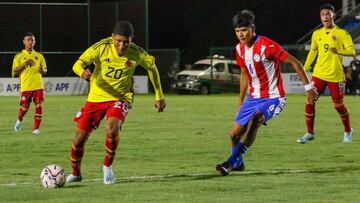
[30, 66]
[111, 93]
[259, 59]
[329, 43]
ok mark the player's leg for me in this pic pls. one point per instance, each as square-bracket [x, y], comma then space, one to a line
[247, 138]
[320, 86]
[22, 111]
[337, 91]
[239, 128]
[111, 143]
[246, 135]
[37, 118]
[25, 99]
[38, 99]
[76, 154]
[116, 114]
[236, 132]
[88, 119]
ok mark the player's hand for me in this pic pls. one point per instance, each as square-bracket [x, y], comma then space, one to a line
[86, 74]
[160, 105]
[42, 70]
[29, 62]
[311, 96]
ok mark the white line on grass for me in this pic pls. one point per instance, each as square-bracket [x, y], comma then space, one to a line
[199, 175]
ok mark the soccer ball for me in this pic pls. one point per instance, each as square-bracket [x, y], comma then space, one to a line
[53, 176]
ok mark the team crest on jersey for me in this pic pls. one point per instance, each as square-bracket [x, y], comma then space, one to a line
[36, 58]
[129, 63]
[334, 37]
[256, 57]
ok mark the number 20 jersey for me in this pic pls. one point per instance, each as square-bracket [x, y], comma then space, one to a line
[262, 63]
[112, 77]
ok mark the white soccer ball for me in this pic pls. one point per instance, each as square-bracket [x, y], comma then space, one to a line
[53, 176]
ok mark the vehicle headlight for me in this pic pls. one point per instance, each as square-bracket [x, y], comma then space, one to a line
[192, 77]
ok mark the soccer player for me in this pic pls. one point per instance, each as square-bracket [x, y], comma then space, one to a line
[111, 93]
[30, 66]
[329, 43]
[259, 59]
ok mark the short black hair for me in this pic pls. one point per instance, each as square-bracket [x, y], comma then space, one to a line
[327, 6]
[244, 18]
[29, 34]
[124, 28]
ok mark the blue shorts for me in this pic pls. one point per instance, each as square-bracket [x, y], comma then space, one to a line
[269, 107]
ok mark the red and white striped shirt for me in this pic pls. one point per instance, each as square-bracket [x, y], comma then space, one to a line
[262, 63]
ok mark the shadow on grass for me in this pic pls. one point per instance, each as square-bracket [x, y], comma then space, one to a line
[207, 176]
[198, 176]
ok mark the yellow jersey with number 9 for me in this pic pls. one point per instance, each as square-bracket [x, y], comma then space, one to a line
[112, 77]
[328, 65]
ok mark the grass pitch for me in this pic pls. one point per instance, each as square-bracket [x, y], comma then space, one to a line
[170, 156]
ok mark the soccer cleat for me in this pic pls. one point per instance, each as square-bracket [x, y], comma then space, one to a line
[224, 168]
[71, 178]
[36, 132]
[239, 168]
[348, 136]
[17, 126]
[307, 137]
[109, 177]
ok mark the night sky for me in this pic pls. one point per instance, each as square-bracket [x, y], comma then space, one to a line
[191, 26]
[195, 26]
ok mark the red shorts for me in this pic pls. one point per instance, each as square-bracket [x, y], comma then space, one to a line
[26, 97]
[90, 115]
[337, 89]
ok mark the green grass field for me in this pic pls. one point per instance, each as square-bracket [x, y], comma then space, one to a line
[170, 156]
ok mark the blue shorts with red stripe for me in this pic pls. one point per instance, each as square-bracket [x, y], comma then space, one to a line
[269, 107]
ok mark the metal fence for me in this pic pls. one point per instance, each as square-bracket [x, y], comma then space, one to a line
[64, 30]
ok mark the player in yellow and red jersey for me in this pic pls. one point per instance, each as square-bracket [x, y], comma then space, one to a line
[111, 93]
[30, 66]
[329, 43]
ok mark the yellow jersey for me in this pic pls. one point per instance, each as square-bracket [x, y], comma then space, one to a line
[30, 78]
[328, 65]
[112, 76]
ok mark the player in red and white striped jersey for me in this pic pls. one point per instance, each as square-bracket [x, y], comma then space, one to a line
[259, 59]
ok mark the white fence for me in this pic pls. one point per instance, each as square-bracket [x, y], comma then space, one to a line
[64, 86]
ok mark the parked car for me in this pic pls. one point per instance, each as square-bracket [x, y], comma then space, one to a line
[207, 76]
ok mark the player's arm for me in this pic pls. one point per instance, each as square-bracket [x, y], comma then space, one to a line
[42, 66]
[310, 59]
[244, 82]
[312, 53]
[80, 70]
[154, 76]
[348, 48]
[148, 62]
[85, 59]
[311, 93]
[19, 69]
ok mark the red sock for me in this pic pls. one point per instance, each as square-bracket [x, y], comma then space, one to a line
[110, 147]
[22, 112]
[310, 117]
[76, 156]
[345, 117]
[38, 116]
